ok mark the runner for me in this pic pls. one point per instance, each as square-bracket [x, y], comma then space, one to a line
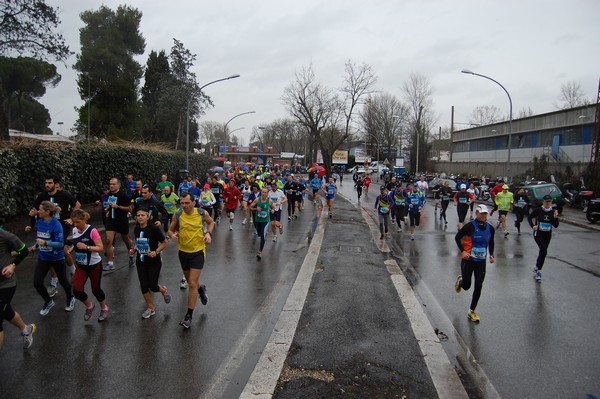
[474, 240]
[520, 204]
[277, 198]
[423, 187]
[445, 194]
[504, 200]
[383, 205]
[367, 183]
[358, 185]
[50, 242]
[10, 243]
[208, 200]
[436, 196]
[246, 191]
[462, 200]
[116, 222]
[170, 201]
[217, 190]
[150, 241]
[254, 195]
[290, 189]
[414, 205]
[398, 203]
[162, 184]
[158, 212]
[264, 207]
[316, 183]
[188, 227]
[546, 217]
[300, 194]
[65, 203]
[473, 191]
[497, 188]
[87, 246]
[330, 189]
[231, 198]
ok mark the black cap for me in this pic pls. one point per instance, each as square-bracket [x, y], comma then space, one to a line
[547, 198]
[382, 188]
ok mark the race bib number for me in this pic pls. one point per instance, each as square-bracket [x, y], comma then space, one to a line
[545, 226]
[398, 202]
[384, 209]
[521, 203]
[445, 198]
[113, 200]
[462, 200]
[414, 201]
[204, 201]
[330, 190]
[80, 257]
[478, 253]
[262, 214]
[142, 246]
[169, 205]
[245, 197]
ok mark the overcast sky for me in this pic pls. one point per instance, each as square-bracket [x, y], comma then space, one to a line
[529, 46]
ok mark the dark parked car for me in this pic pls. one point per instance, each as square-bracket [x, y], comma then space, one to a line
[441, 182]
[536, 192]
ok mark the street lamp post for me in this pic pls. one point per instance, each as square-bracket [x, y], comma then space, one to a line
[232, 118]
[187, 126]
[509, 114]
[60, 126]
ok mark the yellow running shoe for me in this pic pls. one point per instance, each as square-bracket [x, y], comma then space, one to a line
[473, 317]
[457, 286]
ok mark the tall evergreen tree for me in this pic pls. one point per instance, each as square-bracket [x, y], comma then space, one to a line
[109, 76]
[157, 127]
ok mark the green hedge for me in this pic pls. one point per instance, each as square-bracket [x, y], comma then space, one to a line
[83, 168]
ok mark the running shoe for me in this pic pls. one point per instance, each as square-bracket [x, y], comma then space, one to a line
[259, 255]
[52, 290]
[148, 313]
[183, 284]
[289, 218]
[202, 294]
[274, 238]
[457, 286]
[445, 222]
[538, 276]
[412, 237]
[399, 230]
[381, 237]
[71, 305]
[186, 322]
[131, 260]
[244, 221]
[230, 228]
[280, 229]
[441, 216]
[103, 314]
[330, 215]
[111, 266]
[295, 216]
[218, 219]
[473, 317]
[28, 336]
[166, 295]
[88, 312]
[47, 308]
[106, 267]
[506, 234]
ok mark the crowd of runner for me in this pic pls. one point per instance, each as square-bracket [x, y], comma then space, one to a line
[72, 250]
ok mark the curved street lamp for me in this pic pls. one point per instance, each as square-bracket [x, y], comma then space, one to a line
[510, 110]
[187, 127]
[235, 116]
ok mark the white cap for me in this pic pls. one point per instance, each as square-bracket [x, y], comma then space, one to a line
[482, 209]
[463, 186]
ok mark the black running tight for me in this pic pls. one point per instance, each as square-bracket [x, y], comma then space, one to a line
[469, 268]
[542, 239]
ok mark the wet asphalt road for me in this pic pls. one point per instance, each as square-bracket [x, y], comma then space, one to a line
[535, 340]
[127, 356]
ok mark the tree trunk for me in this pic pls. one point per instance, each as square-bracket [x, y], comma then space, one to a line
[3, 119]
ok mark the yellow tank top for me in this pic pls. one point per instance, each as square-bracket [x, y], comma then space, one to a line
[191, 233]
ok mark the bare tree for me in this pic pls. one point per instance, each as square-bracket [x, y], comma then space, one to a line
[571, 95]
[284, 135]
[358, 83]
[384, 118]
[525, 112]
[417, 93]
[485, 115]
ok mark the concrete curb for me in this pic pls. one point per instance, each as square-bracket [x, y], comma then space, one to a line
[263, 380]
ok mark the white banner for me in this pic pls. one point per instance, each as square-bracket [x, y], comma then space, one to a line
[340, 157]
[319, 157]
[360, 156]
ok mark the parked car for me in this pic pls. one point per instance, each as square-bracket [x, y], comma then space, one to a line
[357, 168]
[441, 182]
[536, 193]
